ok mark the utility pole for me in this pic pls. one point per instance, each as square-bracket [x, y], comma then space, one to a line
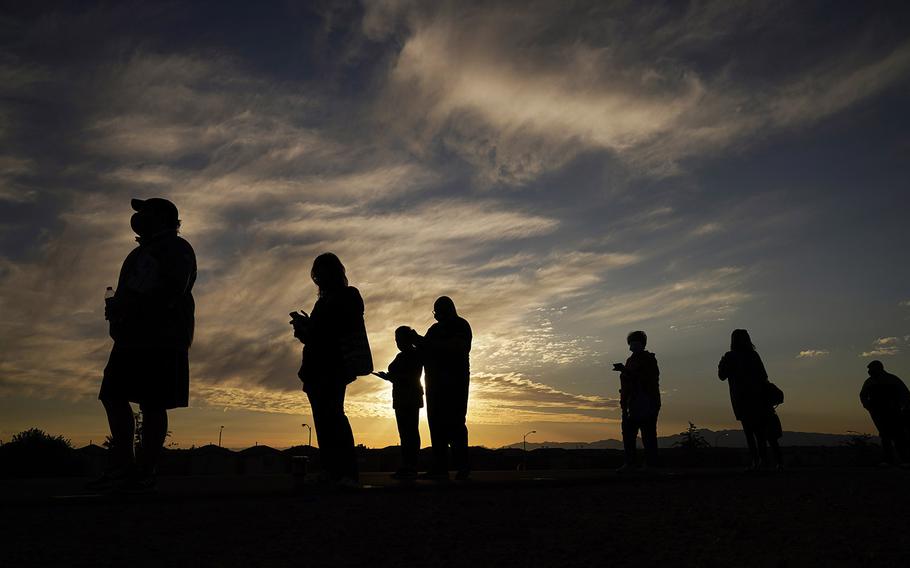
[309, 435]
[220, 430]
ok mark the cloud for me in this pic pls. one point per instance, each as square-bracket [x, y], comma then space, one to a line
[812, 353]
[388, 160]
[495, 399]
[709, 295]
[883, 347]
[269, 196]
[517, 97]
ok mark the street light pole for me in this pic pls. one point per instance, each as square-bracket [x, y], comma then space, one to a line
[524, 440]
[220, 430]
[309, 435]
[524, 449]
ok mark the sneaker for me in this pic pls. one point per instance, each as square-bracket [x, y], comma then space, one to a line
[434, 475]
[625, 468]
[463, 475]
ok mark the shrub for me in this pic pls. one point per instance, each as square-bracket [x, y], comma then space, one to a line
[35, 453]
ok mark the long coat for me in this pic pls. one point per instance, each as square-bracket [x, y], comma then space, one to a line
[746, 375]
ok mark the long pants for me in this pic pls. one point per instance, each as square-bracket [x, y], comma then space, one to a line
[408, 420]
[333, 431]
[756, 431]
[446, 413]
[630, 428]
[893, 432]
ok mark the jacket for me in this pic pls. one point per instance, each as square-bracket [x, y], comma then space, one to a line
[335, 316]
[154, 296]
[639, 381]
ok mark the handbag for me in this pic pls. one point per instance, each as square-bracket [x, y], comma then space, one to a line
[773, 395]
[355, 351]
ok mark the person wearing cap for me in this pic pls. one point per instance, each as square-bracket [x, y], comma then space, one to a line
[151, 319]
[887, 399]
[445, 351]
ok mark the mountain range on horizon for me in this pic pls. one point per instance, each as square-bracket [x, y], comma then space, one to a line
[720, 438]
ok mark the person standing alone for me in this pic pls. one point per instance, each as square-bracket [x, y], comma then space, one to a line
[152, 317]
[887, 399]
[744, 371]
[639, 398]
[335, 352]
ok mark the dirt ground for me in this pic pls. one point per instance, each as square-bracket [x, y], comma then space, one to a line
[798, 518]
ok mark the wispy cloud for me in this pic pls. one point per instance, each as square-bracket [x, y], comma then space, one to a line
[537, 161]
[484, 81]
[812, 353]
[713, 293]
[883, 347]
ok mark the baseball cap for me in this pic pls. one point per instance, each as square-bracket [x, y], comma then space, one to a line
[164, 208]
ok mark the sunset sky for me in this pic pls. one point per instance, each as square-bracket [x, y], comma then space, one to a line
[566, 171]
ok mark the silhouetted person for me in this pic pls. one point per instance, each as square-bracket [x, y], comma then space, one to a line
[407, 399]
[744, 371]
[445, 352]
[335, 352]
[639, 399]
[151, 321]
[888, 401]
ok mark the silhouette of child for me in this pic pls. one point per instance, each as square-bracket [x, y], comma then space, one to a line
[407, 399]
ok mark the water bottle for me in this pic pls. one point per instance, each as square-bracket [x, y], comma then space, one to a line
[108, 293]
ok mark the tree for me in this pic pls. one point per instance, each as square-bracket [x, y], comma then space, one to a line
[34, 452]
[38, 438]
[692, 439]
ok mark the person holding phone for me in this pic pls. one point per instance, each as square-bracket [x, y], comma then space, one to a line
[407, 399]
[329, 364]
[639, 398]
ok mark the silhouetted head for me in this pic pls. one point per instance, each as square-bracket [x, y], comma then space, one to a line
[637, 341]
[740, 341]
[328, 273]
[875, 368]
[153, 216]
[404, 338]
[444, 309]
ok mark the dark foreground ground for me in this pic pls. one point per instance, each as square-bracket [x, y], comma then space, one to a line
[840, 517]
